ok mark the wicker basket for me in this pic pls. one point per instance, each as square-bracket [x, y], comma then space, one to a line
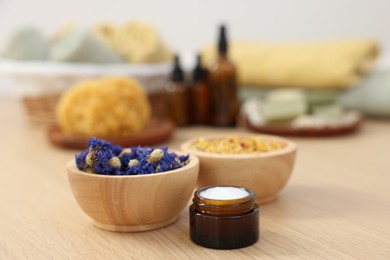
[41, 110]
[40, 84]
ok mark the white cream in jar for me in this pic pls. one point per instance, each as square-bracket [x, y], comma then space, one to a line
[224, 193]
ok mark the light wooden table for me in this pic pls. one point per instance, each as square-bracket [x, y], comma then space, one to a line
[335, 206]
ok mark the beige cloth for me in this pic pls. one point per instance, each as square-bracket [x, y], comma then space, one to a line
[330, 65]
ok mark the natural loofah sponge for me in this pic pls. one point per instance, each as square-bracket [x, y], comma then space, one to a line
[136, 41]
[108, 107]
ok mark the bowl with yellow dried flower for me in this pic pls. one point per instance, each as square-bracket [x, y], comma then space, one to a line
[262, 163]
[132, 189]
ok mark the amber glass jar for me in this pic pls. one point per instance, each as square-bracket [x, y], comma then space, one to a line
[226, 222]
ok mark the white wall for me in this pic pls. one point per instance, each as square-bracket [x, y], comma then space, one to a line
[188, 24]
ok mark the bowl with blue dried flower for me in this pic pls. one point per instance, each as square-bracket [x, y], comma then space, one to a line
[132, 189]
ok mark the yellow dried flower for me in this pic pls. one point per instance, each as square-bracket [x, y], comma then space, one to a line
[236, 145]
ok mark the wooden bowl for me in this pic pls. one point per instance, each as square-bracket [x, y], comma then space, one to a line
[265, 173]
[136, 202]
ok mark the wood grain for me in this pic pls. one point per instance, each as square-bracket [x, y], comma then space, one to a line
[335, 206]
[134, 203]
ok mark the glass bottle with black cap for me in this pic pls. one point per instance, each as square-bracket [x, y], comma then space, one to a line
[177, 96]
[223, 86]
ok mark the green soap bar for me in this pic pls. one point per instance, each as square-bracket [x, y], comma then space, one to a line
[284, 105]
[317, 97]
[250, 92]
[332, 110]
[81, 46]
[26, 43]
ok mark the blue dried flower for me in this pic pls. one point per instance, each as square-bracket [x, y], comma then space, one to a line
[99, 158]
[116, 150]
[170, 161]
[184, 159]
[134, 168]
[80, 160]
[104, 158]
[126, 155]
[99, 144]
[103, 164]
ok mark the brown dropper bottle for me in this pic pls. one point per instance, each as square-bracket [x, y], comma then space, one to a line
[200, 94]
[223, 86]
[177, 96]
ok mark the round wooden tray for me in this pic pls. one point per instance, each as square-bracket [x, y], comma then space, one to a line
[157, 131]
[288, 130]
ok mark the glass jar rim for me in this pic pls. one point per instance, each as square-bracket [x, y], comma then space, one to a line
[223, 202]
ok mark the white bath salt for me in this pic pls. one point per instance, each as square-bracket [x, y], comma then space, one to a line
[224, 193]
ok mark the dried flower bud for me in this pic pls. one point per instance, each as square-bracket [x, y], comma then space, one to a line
[125, 151]
[114, 162]
[133, 162]
[91, 158]
[89, 169]
[155, 156]
[104, 158]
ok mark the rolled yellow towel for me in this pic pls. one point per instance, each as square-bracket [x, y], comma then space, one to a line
[330, 65]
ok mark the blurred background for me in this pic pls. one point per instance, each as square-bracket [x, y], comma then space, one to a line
[188, 25]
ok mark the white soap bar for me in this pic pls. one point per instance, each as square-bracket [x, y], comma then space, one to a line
[224, 193]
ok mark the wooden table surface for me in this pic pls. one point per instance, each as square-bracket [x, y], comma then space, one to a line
[335, 206]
